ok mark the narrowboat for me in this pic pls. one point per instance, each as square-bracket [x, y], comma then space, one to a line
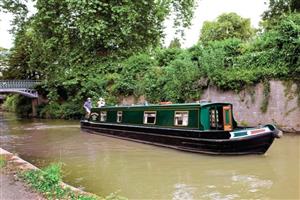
[208, 128]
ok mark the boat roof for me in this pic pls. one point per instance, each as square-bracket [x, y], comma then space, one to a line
[201, 104]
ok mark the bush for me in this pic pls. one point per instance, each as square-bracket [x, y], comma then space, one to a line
[66, 110]
[133, 71]
[10, 103]
[48, 181]
[21, 105]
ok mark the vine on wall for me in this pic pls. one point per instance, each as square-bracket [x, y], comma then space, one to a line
[266, 96]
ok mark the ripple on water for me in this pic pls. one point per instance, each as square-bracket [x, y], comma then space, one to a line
[41, 127]
[12, 138]
[183, 192]
[215, 195]
[253, 182]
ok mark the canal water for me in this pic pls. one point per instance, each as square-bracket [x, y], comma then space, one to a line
[102, 165]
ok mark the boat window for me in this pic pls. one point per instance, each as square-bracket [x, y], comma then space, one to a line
[181, 118]
[119, 116]
[216, 117]
[213, 118]
[149, 117]
[103, 116]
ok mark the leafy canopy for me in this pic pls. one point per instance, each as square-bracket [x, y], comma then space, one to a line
[227, 25]
[279, 7]
[175, 43]
[65, 34]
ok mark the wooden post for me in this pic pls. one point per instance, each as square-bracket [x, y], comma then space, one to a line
[34, 103]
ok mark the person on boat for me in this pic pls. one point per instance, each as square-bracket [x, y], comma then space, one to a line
[101, 102]
[87, 107]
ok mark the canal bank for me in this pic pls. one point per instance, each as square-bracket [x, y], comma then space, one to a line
[11, 187]
[15, 184]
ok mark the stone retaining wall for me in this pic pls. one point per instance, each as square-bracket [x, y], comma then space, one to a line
[282, 110]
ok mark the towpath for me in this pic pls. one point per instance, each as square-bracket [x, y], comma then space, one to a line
[13, 189]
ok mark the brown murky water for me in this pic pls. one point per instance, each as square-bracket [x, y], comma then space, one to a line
[102, 165]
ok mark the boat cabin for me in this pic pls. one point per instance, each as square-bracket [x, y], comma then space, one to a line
[199, 116]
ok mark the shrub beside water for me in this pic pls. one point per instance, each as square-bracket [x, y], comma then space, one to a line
[2, 162]
[48, 182]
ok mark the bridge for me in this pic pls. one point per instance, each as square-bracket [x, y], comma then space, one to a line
[23, 87]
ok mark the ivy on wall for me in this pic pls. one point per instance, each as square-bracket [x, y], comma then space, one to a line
[266, 96]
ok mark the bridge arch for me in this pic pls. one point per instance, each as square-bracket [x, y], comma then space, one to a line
[23, 87]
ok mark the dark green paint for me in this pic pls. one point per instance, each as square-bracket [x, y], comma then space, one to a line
[165, 118]
[198, 114]
[205, 120]
[133, 117]
[111, 116]
[227, 119]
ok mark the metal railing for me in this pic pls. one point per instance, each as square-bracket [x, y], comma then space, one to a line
[18, 84]
[24, 87]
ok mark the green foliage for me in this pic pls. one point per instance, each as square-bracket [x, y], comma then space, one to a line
[228, 25]
[181, 81]
[266, 96]
[133, 71]
[97, 49]
[80, 48]
[233, 64]
[165, 56]
[2, 161]
[10, 103]
[177, 81]
[48, 181]
[18, 8]
[18, 104]
[68, 33]
[3, 59]
[175, 43]
[66, 110]
[279, 7]
[244, 123]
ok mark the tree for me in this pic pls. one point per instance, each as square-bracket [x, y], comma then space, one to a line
[279, 7]
[79, 47]
[228, 25]
[70, 33]
[18, 8]
[175, 43]
[104, 25]
[3, 60]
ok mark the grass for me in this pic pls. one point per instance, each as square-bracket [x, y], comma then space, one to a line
[2, 161]
[48, 182]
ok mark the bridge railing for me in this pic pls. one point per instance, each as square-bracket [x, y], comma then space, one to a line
[18, 84]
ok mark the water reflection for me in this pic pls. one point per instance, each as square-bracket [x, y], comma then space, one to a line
[102, 165]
